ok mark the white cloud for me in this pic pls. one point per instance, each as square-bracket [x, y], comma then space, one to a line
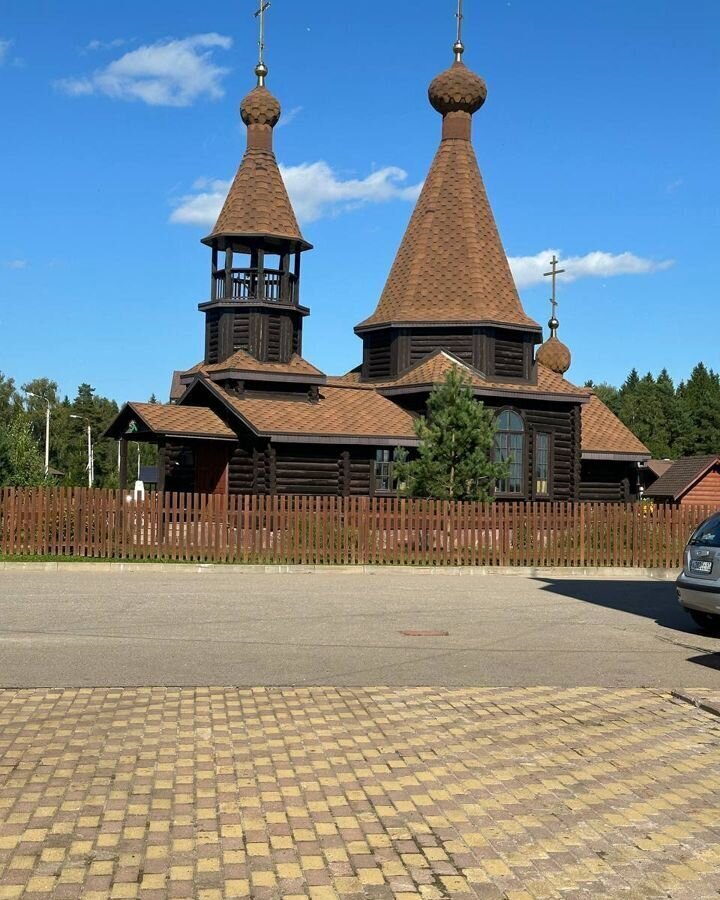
[529, 270]
[166, 73]
[16, 264]
[287, 117]
[106, 45]
[315, 189]
[4, 51]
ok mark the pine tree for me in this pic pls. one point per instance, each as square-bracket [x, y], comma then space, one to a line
[457, 438]
[700, 399]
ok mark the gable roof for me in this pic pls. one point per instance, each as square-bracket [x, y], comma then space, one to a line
[682, 475]
[434, 368]
[342, 414]
[658, 467]
[171, 419]
[605, 436]
[451, 265]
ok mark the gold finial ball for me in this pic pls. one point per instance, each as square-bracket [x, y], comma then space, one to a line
[261, 70]
[260, 107]
[554, 355]
[457, 89]
[553, 324]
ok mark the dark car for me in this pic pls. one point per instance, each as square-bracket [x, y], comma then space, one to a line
[698, 586]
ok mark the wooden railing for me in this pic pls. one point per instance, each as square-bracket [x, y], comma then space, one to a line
[246, 284]
[74, 522]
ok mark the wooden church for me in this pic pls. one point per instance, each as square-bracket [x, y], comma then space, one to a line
[256, 417]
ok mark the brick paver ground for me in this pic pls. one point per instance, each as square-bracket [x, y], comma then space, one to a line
[378, 793]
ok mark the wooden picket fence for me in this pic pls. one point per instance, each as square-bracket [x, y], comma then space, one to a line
[101, 524]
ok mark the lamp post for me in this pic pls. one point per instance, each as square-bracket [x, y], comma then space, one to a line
[47, 429]
[90, 466]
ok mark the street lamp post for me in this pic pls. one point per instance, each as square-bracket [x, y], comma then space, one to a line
[47, 429]
[90, 454]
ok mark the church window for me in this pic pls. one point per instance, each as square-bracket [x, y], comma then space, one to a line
[510, 446]
[384, 476]
[541, 472]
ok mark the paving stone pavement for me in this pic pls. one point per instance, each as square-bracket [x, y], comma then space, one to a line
[375, 793]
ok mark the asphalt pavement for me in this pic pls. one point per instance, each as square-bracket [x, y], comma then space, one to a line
[176, 628]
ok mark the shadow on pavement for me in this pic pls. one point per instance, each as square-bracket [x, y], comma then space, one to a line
[652, 599]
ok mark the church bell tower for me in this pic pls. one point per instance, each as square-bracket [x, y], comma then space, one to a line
[256, 247]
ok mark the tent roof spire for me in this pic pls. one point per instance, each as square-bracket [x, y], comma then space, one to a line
[451, 266]
[258, 203]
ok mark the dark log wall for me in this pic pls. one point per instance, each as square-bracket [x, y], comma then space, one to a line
[240, 332]
[608, 480]
[561, 422]
[377, 349]
[212, 337]
[509, 358]
[498, 352]
[179, 468]
[268, 334]
[241, 470]
[458, 342]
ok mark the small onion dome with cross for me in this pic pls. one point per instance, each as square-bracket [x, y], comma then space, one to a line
[457, 89]
[260, 107]
[553, 354]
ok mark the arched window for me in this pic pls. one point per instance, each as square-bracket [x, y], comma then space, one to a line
[510, 445]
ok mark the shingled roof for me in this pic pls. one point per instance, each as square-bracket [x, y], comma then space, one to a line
[682, 475]
[434, 368]
[171, 419]
[604, 435]
[451, 265]
[258, 202]
[341, 414]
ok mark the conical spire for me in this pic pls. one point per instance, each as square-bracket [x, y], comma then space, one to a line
[258, 202]
[451, 265]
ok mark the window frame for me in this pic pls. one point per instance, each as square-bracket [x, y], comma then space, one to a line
[523, 492]
[377, 480]
[550, 457]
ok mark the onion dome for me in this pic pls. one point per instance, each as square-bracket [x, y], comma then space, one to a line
[553, 354]
[457, 89]
[260, 107]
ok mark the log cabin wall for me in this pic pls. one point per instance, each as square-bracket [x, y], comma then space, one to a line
[421, 343]
[179, 467]
[608, 480]
[509, 355]
[706, 491]
[269, 335]
[323, 470]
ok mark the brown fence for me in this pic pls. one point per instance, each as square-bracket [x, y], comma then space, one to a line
[100, 524]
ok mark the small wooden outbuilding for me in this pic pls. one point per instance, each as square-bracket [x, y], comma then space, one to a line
[692, 479]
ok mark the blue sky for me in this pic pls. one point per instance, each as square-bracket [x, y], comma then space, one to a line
[600, 135]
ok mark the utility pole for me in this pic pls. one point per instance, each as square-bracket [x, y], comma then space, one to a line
[47, 429]
[90, 453]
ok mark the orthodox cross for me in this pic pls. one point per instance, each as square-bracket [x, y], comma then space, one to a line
[260, 14]
[459, 16]
[459, 47]
[553, 273]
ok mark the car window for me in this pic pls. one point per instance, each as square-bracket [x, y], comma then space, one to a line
[708, 534]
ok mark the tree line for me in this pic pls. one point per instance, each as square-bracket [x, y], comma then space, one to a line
[22, 435]
[671, 420]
